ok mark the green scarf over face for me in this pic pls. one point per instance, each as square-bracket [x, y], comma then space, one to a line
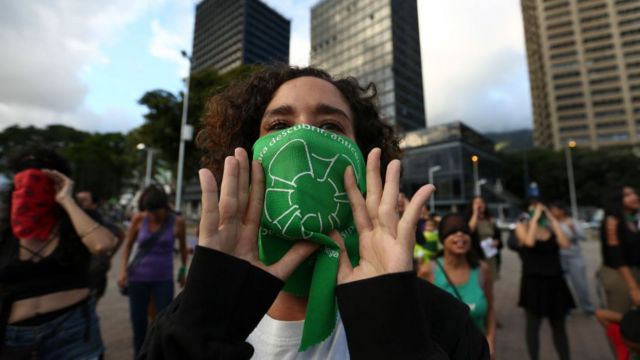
[304, 200]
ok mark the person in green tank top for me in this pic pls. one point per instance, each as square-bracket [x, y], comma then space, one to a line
[458, 271]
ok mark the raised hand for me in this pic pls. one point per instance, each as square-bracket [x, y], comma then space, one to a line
[386, 240]
[231, 226]
[62, 184]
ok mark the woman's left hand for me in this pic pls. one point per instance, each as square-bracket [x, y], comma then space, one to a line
[386, 240]
[63, 185]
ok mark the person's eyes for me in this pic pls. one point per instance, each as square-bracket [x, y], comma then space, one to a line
[333, 126]
[277, 124]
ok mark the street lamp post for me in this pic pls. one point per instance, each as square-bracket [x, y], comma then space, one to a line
[432, 203]
[572, 185]
[476, 183]
[185, 134]
[150, 151]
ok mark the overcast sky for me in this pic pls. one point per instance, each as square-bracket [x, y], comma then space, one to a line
[86, 63]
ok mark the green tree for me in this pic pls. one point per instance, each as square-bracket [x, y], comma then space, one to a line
[594, 172]
[161, 129]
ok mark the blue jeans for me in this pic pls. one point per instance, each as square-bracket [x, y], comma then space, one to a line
[139, 294]
[73, 335]
[575, 269]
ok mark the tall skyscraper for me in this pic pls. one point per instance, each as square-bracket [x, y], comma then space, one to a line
[584, 69]
[374, 41]
[229, 33]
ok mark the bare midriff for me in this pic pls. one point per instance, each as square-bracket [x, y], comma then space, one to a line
[28, 308]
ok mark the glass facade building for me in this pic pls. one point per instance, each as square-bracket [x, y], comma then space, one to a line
[450, 146]
[375, 41]
[584, 71]
[229, 33]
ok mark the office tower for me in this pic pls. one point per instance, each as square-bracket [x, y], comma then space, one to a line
[584, 69]
[229, 33]
[374, 41]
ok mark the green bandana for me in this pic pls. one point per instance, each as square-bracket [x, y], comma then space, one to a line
[305, 199]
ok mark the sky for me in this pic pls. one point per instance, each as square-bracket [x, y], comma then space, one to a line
[85, 64]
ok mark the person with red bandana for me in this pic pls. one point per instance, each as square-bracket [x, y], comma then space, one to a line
[46, 242]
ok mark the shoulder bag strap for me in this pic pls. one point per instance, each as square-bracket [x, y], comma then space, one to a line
[455, 290]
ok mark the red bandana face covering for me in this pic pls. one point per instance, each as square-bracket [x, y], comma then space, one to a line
[32, 205]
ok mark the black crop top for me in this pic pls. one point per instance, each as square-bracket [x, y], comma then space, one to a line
[627, 253]
[64, 269]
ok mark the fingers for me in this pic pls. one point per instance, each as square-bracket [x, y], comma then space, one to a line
[344, 268]
[229, 191]
[292, 259]
[358, 205]
[409, 221]
[374, 183]
[243, 180]
[256, 200]
[388, 209]
[210, 214]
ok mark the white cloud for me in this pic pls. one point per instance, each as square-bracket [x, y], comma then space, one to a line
[474, 63]
[46, 46]
[173, 35]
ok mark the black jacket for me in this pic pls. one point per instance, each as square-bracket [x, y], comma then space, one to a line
[395, 316]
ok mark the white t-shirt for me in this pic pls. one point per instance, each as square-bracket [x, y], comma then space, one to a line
[275, 339]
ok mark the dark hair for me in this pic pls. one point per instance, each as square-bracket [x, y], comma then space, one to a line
[38, 157]
[232, 118]
[452, 223]
[612, 200]
[31, 157]
[92, 194]
[153, 198]
[486, 213]
[561, 206]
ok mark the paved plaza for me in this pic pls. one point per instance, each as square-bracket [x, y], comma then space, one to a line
[585, 334]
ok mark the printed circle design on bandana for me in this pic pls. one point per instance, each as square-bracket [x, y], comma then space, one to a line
[313, 213]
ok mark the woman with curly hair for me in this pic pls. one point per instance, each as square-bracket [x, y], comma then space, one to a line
[293, 261]
[46, 241]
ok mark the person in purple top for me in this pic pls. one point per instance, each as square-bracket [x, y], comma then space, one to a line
[149, 271]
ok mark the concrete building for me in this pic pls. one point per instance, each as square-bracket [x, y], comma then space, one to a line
[452, 147]
[584, 69]
[374, 41]
[229, 33]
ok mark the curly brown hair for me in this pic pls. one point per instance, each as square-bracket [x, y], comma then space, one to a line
[232, 118]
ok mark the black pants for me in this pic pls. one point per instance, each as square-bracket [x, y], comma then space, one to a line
[560, 339]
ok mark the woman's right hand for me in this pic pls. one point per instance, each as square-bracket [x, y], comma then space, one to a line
[231, 225]
[123, 279]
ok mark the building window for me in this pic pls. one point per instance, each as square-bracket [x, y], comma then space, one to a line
[613, 137]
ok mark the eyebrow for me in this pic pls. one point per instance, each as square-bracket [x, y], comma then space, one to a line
[324, 109]
[321, 109]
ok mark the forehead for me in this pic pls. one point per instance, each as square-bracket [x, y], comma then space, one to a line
[308, 91]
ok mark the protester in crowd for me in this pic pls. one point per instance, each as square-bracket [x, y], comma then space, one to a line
[308, 133]
[148, 273]
[620, 245]
[100, 264]
[485, 235]
[573, 263]
[430, 246]
[46, 242]
[543, 290]
[460, 273]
